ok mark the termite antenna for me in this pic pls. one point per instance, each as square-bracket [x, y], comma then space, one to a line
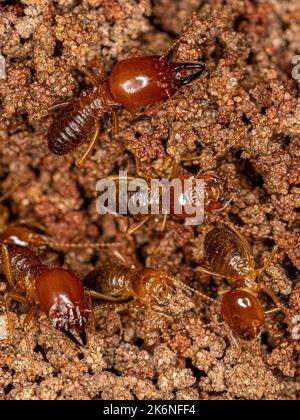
[10, 191]
[289, 246]
[225, 205]
[213, 324]
[80, 245]
[191, 289]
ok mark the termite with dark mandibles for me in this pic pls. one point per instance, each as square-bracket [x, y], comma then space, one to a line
[231, 256]
[133, 83]
[57, 291]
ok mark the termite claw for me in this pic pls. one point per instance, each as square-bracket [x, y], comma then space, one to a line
[72, 337]
[83, 337]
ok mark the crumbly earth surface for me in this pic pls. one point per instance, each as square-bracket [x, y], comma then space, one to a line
[242, 116]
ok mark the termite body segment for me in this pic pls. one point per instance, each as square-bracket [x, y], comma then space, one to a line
[231, 256]
[133, 83]
[57, 291]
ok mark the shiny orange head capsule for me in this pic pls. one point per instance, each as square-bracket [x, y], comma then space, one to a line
[243, 312]
[152, 287]
[194, 196]
[141, 81]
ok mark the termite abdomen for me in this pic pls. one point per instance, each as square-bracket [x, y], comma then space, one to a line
[227, 254]
[76, 122]
[111, 279]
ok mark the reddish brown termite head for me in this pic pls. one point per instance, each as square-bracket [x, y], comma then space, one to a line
[140, 81]
[61, 297]
[193, 195]
[134, 82]
[152, 287]
[243, 312]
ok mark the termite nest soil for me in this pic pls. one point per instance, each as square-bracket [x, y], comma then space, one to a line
[242, 115]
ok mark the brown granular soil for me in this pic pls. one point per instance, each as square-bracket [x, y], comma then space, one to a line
[242, 116]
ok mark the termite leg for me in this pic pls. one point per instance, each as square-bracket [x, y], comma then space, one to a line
[7, 298]
[4, 215]
[158, 106]
[268, 262]
[28, 319]
[207, 271]
[174, 173]
[121, 308]
[7, 268]
[270, 311]
[275, 299]
[98, 295]
[223, 292]
[189, 158]
[117, 309]
[136, 226]
[138, 167]
[235, 342]
[10, 191]
[10, 325]
[115, 126]
[90, 304]
[57, 106]
[164, 222]
[30, 223]
[90, 75]
[160, 311]
[82, 160]
[222, 208]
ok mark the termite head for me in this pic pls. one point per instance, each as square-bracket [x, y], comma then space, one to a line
[141, 81]
[242, 311]
[61, 296]
[151, 286]
[212, 193]
[20, 235]
[192, 194]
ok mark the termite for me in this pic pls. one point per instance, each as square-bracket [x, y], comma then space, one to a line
[133, 83]
[230, 255]
[57, 291]
[118, 283]
[204, 197]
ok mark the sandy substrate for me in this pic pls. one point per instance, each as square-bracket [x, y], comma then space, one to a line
[242, 116]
